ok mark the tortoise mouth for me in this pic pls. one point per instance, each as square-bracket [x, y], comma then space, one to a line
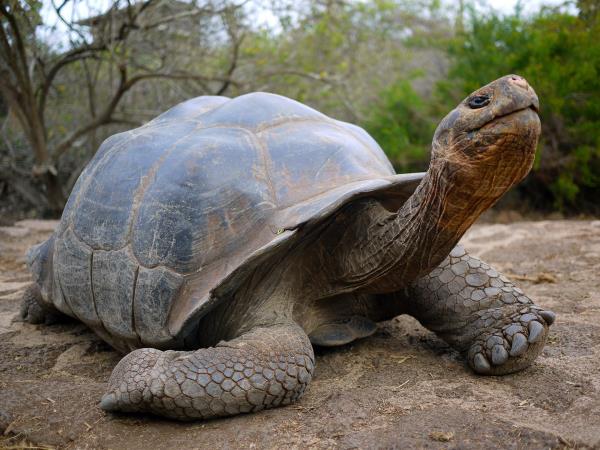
[528, 114]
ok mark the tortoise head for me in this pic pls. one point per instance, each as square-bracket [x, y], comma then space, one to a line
[491, 136]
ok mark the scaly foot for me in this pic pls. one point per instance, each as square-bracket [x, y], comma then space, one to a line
[510, 338]
[35, 311]
[481, 313]
[263, 368]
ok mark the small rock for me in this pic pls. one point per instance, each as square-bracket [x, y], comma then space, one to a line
[441, 436]
[6, 321]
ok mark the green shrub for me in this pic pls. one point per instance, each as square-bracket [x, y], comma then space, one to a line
[402, 126]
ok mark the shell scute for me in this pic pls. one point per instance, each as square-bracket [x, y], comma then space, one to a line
[204, 200]
[114, 275]
[107, 199]
[73, 265]
[156, 289]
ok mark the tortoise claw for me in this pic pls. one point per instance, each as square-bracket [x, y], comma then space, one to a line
[548, 316]
[519, 345]
[536, 330]
[511, 345]
[499, 355]
[481, 364]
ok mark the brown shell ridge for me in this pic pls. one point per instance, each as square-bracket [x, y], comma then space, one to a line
[263, 151]
[289, 218]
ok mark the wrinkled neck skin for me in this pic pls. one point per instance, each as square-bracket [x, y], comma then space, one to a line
[392, 249]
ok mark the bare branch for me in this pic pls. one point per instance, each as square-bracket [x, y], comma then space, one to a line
[72, 56]
[67, 23]
[86, 51]
[183, 76]
[12, 55]
[25, 189]
[21, 53]
[124, 85]
[175, 17]
[102, 119]
[237, 42]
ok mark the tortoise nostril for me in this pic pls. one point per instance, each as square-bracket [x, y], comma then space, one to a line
[519, 81]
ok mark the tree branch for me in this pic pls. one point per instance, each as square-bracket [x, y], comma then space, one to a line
[124, 85]
[21, 53]
[193, 13]
[182, 76]
[86, 51]
[11, 58]
[102, 119]
[237, 42]
[68, 58]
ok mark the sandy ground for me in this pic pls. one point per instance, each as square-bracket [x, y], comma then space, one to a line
[401, 388]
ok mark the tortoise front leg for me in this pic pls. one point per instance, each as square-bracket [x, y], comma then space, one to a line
[263, 368]
[480, 312]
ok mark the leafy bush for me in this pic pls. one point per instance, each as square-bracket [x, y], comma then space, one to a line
[401, 124]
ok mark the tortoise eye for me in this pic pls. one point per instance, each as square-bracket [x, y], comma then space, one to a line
[479, 101]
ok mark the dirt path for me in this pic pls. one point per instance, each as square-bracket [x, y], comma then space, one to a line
[401, 388]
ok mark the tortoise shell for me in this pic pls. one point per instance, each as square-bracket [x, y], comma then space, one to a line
[168, 218]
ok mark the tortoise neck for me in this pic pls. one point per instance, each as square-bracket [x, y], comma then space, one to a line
[405, 245]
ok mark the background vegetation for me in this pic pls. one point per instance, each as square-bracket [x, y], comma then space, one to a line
[394, 67]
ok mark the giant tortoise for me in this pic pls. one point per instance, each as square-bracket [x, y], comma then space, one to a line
[223, 239]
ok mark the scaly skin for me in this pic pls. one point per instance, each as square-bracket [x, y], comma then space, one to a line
[479, 312]
[35, 311]
[264, 368]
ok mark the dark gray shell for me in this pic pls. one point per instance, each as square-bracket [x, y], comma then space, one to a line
[168, 215]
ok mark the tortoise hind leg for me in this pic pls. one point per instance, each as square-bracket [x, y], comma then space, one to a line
[345, 318]
[263, 368]
[342, 331]
[34, 310]
[480, 313]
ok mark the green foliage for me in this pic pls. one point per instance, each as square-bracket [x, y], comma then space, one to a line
[559, 54]
[401, 125]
